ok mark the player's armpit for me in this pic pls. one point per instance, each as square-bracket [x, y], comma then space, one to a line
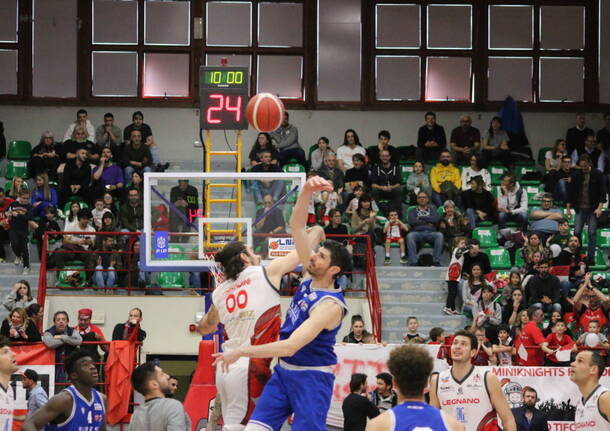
[383, 422]
[498, 401]
[433, 395]
[604, 404]
[209, 322]
[59, 405]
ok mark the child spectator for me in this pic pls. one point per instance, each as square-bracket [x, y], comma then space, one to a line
[514, 282]
[47, 224]
[437, 336]
[550, 328]
[330, 201]
[485, 353]
[393, 234]
[487, 314]
[353, 204]
[417, 181]
[472, 288]
[504, 349]
[17, 185]
[358, 175]
[17, 327]
[20, 296]
[43, 195]
[593, 339]
[556, 341]
[97, 212]
[453, 224]
[453, 274]
[412, 327]
[21, 218]
[562, 237]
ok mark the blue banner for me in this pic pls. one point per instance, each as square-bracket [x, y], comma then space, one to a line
[161, 245]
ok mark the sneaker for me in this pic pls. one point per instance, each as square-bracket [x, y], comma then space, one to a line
[18, 261]
[26, 270]
[456, 312]
[387, 260]
[448, 311]
[404, 259]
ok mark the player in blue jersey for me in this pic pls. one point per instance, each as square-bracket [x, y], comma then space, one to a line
[79, 407]
[302, 382]
[410, 367]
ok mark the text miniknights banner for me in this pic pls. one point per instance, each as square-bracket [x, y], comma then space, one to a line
[557, 394]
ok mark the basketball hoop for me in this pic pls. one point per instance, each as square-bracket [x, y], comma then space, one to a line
[213, 267]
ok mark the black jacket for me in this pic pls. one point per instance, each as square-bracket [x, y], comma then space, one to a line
[385, 176]
[538, 422]
[539, 287]
[597, 188]
[483, 201]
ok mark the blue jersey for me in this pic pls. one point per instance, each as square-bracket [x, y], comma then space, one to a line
[320, 351]
[417, 416]
[85, 416]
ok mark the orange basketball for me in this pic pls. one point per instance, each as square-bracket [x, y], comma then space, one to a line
[265, 112]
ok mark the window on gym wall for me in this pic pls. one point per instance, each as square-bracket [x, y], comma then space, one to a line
[9, 21]
[265, 36]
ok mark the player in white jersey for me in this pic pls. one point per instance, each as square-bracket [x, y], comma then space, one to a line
[247, 303]
[410, 367]
[8, 366]
[467, 393]
[593, 409]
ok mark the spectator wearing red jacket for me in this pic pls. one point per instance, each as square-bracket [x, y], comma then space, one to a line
[555, 341]
[590, 304]
[528, 344]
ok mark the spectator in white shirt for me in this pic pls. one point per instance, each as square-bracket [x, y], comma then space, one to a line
[351, 145]
[81, 120]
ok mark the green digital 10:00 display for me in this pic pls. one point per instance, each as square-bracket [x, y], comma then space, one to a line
[224, 77]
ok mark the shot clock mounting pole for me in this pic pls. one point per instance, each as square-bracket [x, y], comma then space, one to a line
[224, 94]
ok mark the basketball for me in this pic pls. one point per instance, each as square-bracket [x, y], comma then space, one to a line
[265, 112]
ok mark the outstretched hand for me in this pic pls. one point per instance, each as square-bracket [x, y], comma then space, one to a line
[317, 184]
[224, 359]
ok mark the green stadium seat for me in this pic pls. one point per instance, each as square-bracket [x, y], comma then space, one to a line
[62, 277]
[532, 191]
[571, 218]
[66, 208]
[498, 257]
[19, 150]
[600, 263]
[496, 172]
[519, 258]
[522, 170]
[488, 237]
[170, 279]
[406, 169]
[603, 238]
[525, 163]
[485, 223]
[9, 184]
[584, 238]
[16, 168]
[542, 153]
[293, 167]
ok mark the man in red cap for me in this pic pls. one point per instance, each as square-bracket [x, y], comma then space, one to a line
[90, 332]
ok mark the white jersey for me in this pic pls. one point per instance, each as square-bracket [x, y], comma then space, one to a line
[588, 416]
[467, 400]
[7, 405]
[249, 308]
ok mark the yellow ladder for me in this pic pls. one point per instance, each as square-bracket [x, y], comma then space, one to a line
[236, 186]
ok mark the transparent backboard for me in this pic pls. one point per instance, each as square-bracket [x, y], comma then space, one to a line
[190, 215]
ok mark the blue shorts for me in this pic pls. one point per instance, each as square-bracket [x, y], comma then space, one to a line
[306, 393]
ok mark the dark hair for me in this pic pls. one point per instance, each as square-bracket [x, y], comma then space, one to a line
[531, 310]
[478, 159]
[386, 377]
[560, 321]
[57, 313]
[411, 367]
[504, 327]
[359, 156]
[230, 259]
[29, 294]
[70, 361]
[435, 333]
[599, 360]
[134, 188]
[356, 381]
[108, 115]
[81, 111]
[50, 209]
[474, 241]
[364, 198]
[139, 310]
[137, 114]
[356, 318]
[31, 374]
[332, 212]
[584, 158]
[429, 113]
[258, 147]
[33, 309]
[325, 139]
[356, 138]
[384, 134]
[84, 213]
[142, 375]
[445, 151]
[412, 317]
[473, 340]
[339, 256]
[529, 389]
[491, 130]
[4, 341]
[511, 177]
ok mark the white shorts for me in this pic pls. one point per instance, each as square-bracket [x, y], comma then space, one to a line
[238, 390]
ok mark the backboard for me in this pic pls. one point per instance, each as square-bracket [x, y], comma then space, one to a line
[190, 215]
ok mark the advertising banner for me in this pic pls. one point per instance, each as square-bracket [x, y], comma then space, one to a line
[279, 247]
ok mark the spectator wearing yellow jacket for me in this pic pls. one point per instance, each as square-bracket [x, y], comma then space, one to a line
[445, 180]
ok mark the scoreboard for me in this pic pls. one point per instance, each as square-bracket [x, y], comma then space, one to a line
[223, 92]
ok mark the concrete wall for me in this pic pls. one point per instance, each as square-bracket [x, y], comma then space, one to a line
[176, 129]
[166, 319]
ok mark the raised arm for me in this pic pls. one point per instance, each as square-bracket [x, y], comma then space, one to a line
[298, 221]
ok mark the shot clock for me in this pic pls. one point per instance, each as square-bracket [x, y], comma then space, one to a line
[223, 94]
